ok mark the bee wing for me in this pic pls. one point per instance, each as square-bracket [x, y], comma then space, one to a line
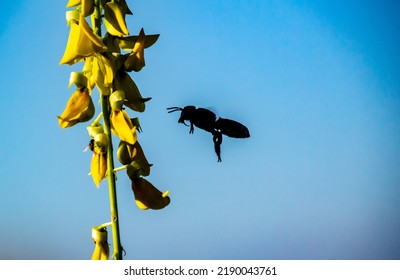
[86, 149]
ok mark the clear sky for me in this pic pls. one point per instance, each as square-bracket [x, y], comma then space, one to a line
[316, 82]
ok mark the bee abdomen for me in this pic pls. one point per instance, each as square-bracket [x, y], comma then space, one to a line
[232, 128]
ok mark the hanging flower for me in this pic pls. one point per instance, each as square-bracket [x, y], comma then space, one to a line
[147, 196]
[114, 19]
[101, 249]
[135, 60]
[133, 99]
[82, 42]
[102, 72]
[80, 108]
[98, 166]
[139, 166]
[87, 6]
[123, 127]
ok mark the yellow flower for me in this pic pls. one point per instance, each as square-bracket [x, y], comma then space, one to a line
[98, 166]
[138, 166]
[135, 60]
[72, 3]
[123, 127]
[133, 99]
[147, 196]
[128, 42]
[82, 42]
[101, 249]
[87, 6]
[103, 72]
[114, 19]
[80, 108]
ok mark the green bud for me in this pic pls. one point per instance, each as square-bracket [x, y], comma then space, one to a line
[117, 100]
[94, 130]
[125, 152]
[72, 16]
[77, 78]
[102, 141]
[96, 127]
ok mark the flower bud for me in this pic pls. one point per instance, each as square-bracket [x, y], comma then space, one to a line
[102, 141]
[117, 100]
[94, 130]
[101, 250]
[72, 16]
[78, 78]
[126, 152]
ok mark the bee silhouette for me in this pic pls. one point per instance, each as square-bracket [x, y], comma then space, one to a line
[207, 120]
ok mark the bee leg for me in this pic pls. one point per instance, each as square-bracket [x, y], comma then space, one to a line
[217, 139]
[191, 128]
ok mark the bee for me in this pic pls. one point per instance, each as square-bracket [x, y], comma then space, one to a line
[207, 120]
[90, 146]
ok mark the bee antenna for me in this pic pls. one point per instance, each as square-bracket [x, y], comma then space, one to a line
[174, 109]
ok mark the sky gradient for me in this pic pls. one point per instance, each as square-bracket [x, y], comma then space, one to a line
[316, 82]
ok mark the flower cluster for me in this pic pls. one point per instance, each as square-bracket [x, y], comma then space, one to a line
[107, 64]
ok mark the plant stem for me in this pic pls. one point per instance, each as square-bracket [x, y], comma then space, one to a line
[96, 18]
[123, 167]
[103, 225]
[117, 255]
[111, 182]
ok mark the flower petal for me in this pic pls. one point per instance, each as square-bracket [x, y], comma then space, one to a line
[123, 126]
[114, 19]
[133, 98]
[98, 167]
[101, 250]
[82, 42]
[139, 166]
[135, 60]
[147, 196]
[128, 43]
[79, 108]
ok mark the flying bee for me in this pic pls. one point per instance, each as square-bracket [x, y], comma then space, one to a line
[207, 120]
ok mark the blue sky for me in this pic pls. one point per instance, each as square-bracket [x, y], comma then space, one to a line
[316, 82]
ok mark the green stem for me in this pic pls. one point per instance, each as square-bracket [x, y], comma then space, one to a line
[117, 255]
[123, 167]
[103, 225]
[111, 181]
[96, 18]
